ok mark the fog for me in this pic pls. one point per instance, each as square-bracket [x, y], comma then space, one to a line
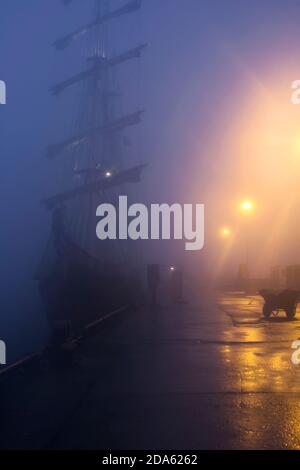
[219, 127]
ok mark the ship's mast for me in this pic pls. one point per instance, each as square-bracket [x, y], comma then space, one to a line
[79, 278]
[98, 142]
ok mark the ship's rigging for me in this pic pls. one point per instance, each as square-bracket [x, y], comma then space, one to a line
[101, 137]
[130, 7]
[96, 276]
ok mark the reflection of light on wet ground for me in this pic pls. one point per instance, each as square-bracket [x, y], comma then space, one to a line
[226, 350]
[270, 383]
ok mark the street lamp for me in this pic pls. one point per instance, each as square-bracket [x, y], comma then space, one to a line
[247, 206]
[225, 232]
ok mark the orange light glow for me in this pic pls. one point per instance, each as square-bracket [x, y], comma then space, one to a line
[225, 232]
[297, 145]
[247, 206]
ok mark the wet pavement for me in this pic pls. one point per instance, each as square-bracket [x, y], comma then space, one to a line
[213, 375]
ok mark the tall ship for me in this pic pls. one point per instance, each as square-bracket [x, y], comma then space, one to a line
[80, 278]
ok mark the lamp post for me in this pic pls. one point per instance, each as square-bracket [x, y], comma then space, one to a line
[246, 209]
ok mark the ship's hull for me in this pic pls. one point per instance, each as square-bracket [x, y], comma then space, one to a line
[80, 290]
